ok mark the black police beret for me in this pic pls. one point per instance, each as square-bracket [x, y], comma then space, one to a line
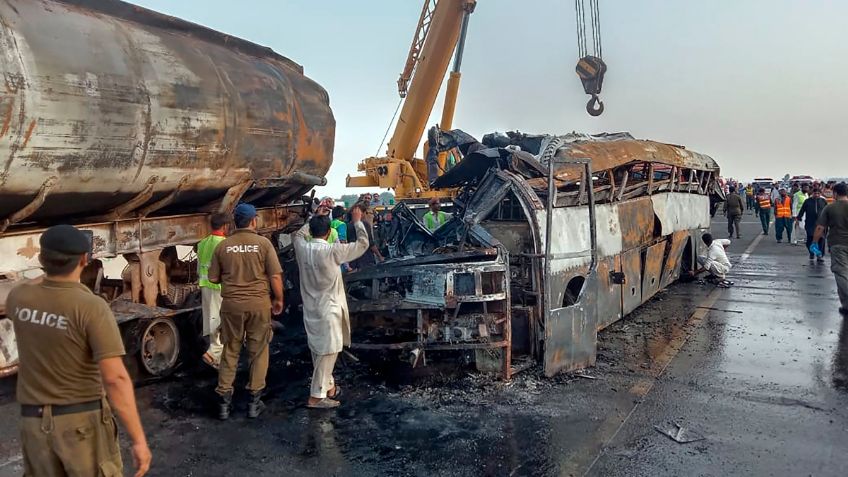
[65, 239]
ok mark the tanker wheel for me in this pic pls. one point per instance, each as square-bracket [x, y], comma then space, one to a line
[159, 347]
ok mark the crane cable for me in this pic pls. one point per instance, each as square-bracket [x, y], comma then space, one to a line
[591, 66]
[389, 128]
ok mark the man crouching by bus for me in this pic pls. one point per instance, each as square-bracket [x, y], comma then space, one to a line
[715, 261]
[325, 314]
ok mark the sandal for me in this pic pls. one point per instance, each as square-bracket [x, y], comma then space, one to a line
[325, 403]
[724, 284]
[337, 392]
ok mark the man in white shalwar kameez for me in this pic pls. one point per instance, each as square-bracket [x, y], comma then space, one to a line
[715, 260]
[325, 313]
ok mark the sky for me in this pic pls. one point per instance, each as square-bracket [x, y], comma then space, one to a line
[759, 85]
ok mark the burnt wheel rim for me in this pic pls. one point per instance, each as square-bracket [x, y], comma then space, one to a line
[159, 346]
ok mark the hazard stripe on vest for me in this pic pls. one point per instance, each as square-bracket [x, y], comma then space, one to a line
[783, 208]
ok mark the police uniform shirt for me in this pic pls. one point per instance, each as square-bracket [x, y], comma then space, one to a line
[244, 263]
[63, 330]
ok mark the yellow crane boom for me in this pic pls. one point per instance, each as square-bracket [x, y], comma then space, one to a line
[440, 32]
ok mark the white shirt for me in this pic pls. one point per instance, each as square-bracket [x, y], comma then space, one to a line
[325, 314]
[717, 254]
[775, 194]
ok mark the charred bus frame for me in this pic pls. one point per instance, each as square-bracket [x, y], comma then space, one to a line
[536, 262]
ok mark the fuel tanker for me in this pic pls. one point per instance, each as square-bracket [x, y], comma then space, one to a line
[108, 108]
[135, 126]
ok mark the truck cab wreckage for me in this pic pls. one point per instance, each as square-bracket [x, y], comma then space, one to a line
[534, 261]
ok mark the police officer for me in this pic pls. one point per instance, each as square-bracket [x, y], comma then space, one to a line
[70, 350]
[245, 264]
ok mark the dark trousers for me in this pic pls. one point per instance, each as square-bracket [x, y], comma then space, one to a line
[783, 224]
[810, 243]
[765, 218]
[733, 222]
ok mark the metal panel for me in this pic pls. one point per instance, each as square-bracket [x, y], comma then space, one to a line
[652, 275]
[569, 236]
[631, 291]
[571, 334]
[671, 270]
[681, 211]
[637, 222]
[609, 230]
[609, 293]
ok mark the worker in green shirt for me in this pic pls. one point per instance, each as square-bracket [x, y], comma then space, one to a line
[435, 218]
[338, 224]
[325, 207]
[210, 293]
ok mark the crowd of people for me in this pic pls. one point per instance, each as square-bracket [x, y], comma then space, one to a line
[785, 207]
[819, 210]
[241, 284]
[71, 350]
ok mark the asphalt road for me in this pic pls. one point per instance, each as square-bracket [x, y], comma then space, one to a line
[757, 373]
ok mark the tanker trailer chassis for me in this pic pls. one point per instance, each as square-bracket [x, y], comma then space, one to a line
[135, 126]
[155, 301]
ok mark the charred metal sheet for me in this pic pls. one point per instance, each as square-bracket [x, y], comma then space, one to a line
[609, 221]
[609, 293]
[475, 165]
[125, 311]
[606, 151]
[631, 291]
[406, 284]
[681, 211]
[571, 334]
[671, 270]
[407, 235]
[637, 222]
[441, 306]
[570, 241]
[116, 99]
[653, 269]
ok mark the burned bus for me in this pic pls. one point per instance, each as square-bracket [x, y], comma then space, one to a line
[552, 239]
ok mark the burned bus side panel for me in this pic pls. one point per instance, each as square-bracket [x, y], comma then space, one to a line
[640, 261]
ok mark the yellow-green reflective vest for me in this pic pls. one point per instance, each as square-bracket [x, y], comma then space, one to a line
[205, 251]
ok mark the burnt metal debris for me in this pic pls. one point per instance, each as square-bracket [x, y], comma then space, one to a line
[533, 261]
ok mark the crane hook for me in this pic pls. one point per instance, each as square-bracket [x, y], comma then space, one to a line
[595, 107]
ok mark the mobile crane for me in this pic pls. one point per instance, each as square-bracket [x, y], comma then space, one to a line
[440, 34]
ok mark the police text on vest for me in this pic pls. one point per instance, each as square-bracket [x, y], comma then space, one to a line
[243, 249]
[44, 318]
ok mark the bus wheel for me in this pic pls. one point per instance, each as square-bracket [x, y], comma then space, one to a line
[159, 346]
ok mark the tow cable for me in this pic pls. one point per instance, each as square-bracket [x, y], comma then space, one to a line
[591, 67]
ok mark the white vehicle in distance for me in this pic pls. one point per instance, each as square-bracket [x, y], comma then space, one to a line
[801, 180]
[763, 183]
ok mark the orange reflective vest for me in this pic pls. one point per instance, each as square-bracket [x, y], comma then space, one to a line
[764, 201]
[783, 208]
